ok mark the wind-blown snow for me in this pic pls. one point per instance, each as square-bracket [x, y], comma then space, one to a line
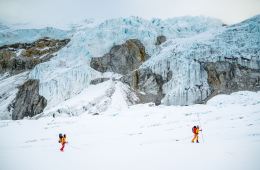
[141, 137]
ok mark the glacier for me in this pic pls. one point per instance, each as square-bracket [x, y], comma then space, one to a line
[190, 42]
[239, 42]
[69, 73]
[10, 35]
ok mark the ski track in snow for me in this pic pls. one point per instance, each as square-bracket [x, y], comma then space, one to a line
[140, 137]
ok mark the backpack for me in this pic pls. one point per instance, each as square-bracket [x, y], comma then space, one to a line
[60, 136]
[194, 129]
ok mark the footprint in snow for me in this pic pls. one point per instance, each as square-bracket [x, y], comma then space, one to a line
[133, 134]
[30, 141]
[2, 125]
[44, 139]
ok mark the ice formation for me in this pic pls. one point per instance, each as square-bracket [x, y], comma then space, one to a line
[190, 41]
[69, 73]
[12, 35]
[238, 43]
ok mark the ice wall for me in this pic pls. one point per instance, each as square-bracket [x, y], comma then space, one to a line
[238, 43]
[11, 36]
[68, 73]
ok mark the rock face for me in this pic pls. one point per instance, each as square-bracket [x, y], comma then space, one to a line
[225, 77]
[126, 59]
[28, 102]
[20, 57]
[160, 39]
[122, 58]
[148, 85]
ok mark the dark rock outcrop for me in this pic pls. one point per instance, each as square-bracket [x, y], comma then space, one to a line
[98, 80]
[148, 85]
[122, 58]
[160, 39]
[126, 59]
[225, 77]
[19, 57]
[28, 102]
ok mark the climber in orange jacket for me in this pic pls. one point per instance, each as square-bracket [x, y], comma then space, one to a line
[196, 131]
[62, 141]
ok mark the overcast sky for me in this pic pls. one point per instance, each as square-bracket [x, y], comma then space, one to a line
[59, 12]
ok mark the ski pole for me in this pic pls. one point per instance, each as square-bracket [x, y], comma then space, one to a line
[201, 127]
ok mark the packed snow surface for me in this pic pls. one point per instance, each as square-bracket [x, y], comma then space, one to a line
[140, 137]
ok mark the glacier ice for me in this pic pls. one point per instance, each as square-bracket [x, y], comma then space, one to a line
[190, 41]
[12, 35]
[237, 43]
[68, 73]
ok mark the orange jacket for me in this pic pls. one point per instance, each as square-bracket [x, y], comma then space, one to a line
[63, 140]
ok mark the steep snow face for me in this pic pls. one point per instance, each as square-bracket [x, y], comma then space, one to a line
[11, 36]
[64, 82]
[69, 73]
[8, 90]
[239, 43]
[110, 97]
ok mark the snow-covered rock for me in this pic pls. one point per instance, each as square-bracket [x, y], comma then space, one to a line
[8, 90]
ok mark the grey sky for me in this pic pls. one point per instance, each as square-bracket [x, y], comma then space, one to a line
[59, 12]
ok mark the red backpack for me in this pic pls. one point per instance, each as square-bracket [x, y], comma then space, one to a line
[194, 129]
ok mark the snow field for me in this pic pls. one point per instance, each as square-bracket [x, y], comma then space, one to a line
[140, 137]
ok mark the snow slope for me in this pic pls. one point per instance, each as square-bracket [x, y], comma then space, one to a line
[103, 98]
[141, 137]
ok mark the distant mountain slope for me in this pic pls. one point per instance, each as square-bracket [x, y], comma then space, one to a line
[11, 36]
